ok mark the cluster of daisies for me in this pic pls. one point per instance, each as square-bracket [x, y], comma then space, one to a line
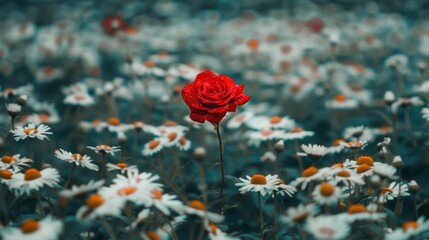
[324, 149]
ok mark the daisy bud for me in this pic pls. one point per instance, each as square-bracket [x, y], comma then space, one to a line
[200, 154]
[389, 98]
[22, 100]
[45, 165]
[279, 146]
[375, 182]
[13, 109]
[413, 186]
[397, 162]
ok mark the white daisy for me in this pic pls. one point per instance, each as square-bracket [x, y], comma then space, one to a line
[309, 175]
[238, 120]
[394, 190]
[76, 158]
[347, 177]
[258, 183]
[105, 149]
[123, 167]
[327, 227]
[384, 170]
[154, 146]
[410, 229]
[183, 144]
[13, 109]
[196, 207]
[31, 229]
[34, 179]
[341, 102]
[425, 113]
[82, 189]
[16, 162]
[314, 152]
[79, 99]
[299, 214]
[297, 133]
[97, 205]
[326, 194]
[358, 212]
[31, 131]
[283, 188]
[406, 102]
[163, 202]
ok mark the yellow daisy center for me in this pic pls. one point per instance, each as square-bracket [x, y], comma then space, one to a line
[343, 173]
[327, 189]
[126, 191]
[29, 226]
[356, 208]
[363, 168]
[31, 174]
[197, 204]
[310, 171]
[113, 121]
[365, 160]
[94, 201]
[258, 179]
[153, 144]
[275, 119]
[8, 159]
[29, 130]
[153, 235]
[5, 174]
[156, 194]
[410, 225]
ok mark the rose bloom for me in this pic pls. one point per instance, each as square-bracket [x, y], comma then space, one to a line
[211, 96]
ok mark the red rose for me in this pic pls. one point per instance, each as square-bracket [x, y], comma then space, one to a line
[112, 24]
[211, 96]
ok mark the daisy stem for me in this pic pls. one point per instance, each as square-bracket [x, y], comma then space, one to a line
[31, 151]
[3, 203]
[410, 129]
[261, 217]
[276, 206]
[108, 228]
[395, 133]
[39, 198]
[415, 206]
[129, 213]
[400, 83]
[301, 167]
[103, 166]
[70, 175]
[398, 199]
[222, 167]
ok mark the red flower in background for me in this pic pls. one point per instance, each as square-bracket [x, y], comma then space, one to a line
[114, 23]
[211, 96]
[316, 24]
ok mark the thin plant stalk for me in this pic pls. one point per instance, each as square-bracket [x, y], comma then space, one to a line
[108, 228]
[261, 217]
[39, 199]
[301, 166]
[3, 203]
[221, 166]
[103, 166]
[70, 176]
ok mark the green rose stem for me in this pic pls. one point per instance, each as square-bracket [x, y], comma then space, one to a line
[222, 183]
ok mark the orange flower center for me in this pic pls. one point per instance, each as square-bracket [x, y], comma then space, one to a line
[338, 141]
[356, 208]
[183, 141]
[170, 123]
[96, 122]
[281, 181]
[79, 97]
[337, 165]
[327, 189]
[310, 171]
[154, 143]
[8, 159]
[197, 204]
[113, 121]
[340, 98]
[296, 130]
[258, 179]
[286, 49]
[266, 132]
[213, 228]
[410, 225]
[43, 117]
[126, 191]
[343, 173]
[253, 44]
[172, 136]
[365, 160]
[153, 235]
[5, 174]
[363, 168]
[149, 64]
[275, 119]
[48, 70]
[122, 165]
[31, 174]
[354, 144]
[94, 201]
[29, 130]
[29, 226]
[295, 88]
[388, 190]
[77, 156]
[156, 194]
